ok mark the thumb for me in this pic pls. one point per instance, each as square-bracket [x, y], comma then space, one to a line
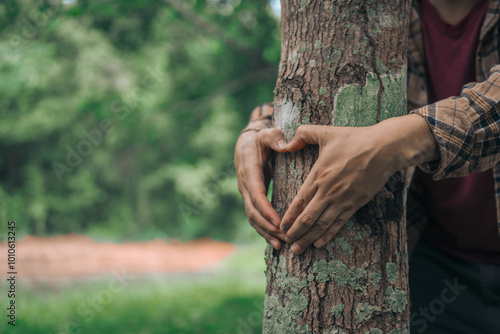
[306, 134]
[273, 138]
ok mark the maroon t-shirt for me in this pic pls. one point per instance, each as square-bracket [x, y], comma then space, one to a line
[462, 210]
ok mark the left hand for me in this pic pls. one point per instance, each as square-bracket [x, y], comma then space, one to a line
[352, 167]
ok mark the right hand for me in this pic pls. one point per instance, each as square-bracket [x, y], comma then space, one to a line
[254, 172]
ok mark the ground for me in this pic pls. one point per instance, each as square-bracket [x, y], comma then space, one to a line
[73, 256]
[72, 284]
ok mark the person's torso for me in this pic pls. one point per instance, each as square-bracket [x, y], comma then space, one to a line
[462, 211]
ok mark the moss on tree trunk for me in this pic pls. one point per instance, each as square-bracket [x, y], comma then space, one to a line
[343, 63]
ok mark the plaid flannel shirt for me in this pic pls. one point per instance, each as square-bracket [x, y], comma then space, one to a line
[467, 127]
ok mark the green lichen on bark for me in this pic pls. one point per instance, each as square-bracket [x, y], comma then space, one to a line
[391, 271]
[396, 300]
[293, 169]
[322, 270]
[375, 278]
[343, 245]
[364, 311]
[334, 330]
[292, 306]
[336, 270]
[350, 226]
[357, 106]
[399, 331]
[297, 304]
[338, 309]
[375, 331]
[285, 315]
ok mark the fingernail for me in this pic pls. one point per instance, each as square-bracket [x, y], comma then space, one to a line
[282, 144]
[274, 243]
[296, 249]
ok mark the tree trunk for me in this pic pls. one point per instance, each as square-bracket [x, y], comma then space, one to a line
[343, 63]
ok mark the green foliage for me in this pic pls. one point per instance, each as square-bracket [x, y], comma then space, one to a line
[120, 117]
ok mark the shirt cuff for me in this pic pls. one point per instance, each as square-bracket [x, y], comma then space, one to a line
[439, 169]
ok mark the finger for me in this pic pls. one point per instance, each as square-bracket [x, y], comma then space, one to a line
[272, 138]
[306, 134]
[264, 207]
[257, 220]
[334, 228]
[299, 203]
[276, 243]
[319, 227]
[308, 220]
[256, 190]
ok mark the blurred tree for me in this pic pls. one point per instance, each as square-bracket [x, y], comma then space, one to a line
[119, 117]
[351, 57]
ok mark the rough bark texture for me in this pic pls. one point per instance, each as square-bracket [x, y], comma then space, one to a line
[343, 63]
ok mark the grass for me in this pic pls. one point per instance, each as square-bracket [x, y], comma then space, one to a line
[226, 299]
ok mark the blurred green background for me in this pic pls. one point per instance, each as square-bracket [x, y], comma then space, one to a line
[119, 117]
[118, 121]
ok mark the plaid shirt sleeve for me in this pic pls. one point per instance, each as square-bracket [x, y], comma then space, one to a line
[466, 128]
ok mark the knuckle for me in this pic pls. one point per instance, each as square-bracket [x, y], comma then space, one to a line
[301, 203]
[275, 131]
[241, 172]
[307, 220]
[300, 130]
[264, 134]
[251, 216]
[334, 189]
[322, 224]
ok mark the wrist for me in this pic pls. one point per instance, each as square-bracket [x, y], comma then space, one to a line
[408, 141]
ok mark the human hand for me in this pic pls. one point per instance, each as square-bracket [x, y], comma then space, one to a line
[254, 172]
[353, 165]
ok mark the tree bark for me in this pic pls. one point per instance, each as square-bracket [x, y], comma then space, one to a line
[343, 63]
